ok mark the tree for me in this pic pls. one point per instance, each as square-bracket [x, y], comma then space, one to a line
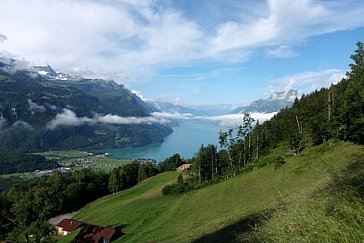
[146, 170]
[353, 108]
[247, 127]
[171, 163]
[41, 231]
[114, 181]
[357, 68]
[225, 144]
[6, 218]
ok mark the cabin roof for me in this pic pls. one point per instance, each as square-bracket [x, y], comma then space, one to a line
[93, 233]
[69, 225]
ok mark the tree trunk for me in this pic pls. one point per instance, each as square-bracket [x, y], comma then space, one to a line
[230, 159]
[298, 125]
[329, 106]
[212, 164]
[249, 147]
[199, 168]
[257, 146]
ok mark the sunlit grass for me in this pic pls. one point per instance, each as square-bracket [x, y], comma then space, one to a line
[145, 215]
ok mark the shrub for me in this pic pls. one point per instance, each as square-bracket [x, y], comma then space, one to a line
[279, 161]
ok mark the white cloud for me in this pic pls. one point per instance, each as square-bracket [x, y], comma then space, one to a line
[234, 120]
[103, 36]
[307, 81]
[284, 21]
[114, 119]
[35, 107]
[52, 107]
[69, 118]
[229, 120]
[282, 51]
[141, 96]
[173, 116]
[14, 63]
[128, 38]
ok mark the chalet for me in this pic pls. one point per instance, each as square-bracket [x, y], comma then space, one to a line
[67, 225]
[96, 234]
[183, 167]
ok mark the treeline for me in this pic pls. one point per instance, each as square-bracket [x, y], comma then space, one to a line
[18, 162]
[28, 204]
[129, 175]
[26, 207]
[330, 113]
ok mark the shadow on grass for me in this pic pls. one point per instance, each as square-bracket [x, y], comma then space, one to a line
[241, 231]
[119, 230]
[246, 230]
[118, 227]
[355, 175]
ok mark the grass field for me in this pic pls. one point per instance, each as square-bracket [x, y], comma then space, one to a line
[220, 210]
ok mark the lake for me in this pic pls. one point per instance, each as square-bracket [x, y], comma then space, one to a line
[185, 140]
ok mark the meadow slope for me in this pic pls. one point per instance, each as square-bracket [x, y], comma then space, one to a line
[144, 215]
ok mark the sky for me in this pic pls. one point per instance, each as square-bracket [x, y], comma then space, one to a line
[189, 52]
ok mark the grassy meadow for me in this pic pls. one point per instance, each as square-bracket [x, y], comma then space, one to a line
[217, 211]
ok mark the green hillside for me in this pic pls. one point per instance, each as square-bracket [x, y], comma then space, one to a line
[146, 216]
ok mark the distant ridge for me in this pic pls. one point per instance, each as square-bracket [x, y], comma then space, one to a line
[274, 103]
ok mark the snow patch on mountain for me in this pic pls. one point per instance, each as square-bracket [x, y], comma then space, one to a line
[48, 72]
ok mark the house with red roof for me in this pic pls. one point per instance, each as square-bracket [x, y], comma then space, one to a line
[88, 233]
[67, 225]
[96, 234]
[183, 167]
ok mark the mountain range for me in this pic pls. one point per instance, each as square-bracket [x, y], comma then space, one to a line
[274, 103]
[41, 109]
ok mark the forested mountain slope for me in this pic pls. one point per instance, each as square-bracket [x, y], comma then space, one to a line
[38, 113]
[330, 113]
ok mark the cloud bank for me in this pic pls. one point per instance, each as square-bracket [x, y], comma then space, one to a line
[69, 118]
[121, 38]
[307, 81]
[234, 120]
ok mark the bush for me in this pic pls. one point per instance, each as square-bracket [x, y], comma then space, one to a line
[279, 161]
[176, 188]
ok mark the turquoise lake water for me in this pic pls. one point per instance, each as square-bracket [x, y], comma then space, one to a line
[185, 140]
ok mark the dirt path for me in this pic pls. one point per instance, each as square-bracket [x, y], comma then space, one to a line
[58, 218]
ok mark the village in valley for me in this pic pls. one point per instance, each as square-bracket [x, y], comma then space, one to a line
[75, 160]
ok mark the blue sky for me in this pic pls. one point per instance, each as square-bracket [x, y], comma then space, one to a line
[189, 51]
